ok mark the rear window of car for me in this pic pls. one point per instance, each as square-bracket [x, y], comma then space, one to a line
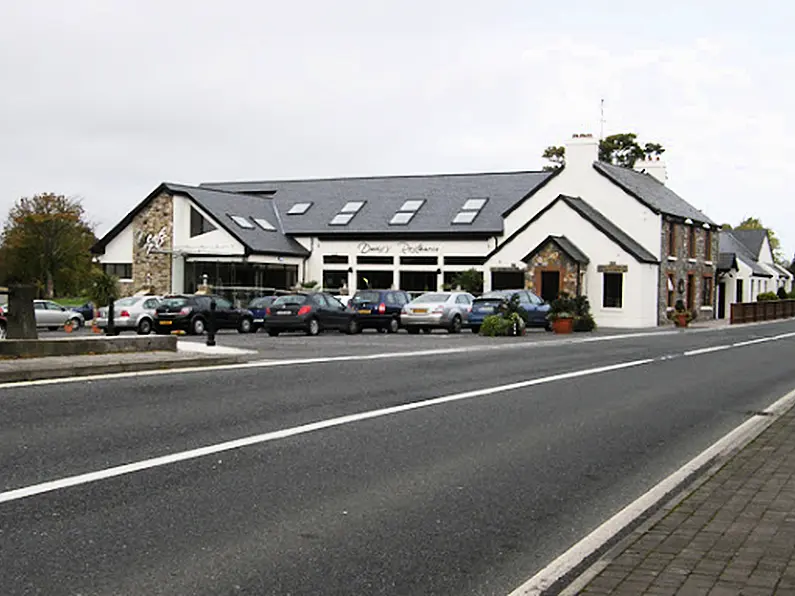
[291, 299]
[366, 297]
[261, 302]
[172, 302]
[126, 302]
[493, 296]
[432, 298]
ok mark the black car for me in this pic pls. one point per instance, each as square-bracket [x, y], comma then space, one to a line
[379, 309]
[311, 313]
[190, 313]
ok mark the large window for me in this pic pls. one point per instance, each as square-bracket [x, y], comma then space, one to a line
[613, 291]
[120, 270]
[706, 293]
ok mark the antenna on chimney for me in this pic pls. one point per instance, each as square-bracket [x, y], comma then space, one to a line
[602, 120]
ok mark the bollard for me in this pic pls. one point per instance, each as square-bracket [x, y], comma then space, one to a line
[110, 329]
[211, 324]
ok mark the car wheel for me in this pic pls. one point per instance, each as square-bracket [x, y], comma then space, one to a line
[413, 330]
[313, 327]
[382, 330]
[144, 327]
[245, 326]
[273, 332]
[394, 326]
[197, 326]
[475, 329]
[455, 325]
[353, 327]
[2, 330]
[426, 329]
[548, 326]
[76, 323]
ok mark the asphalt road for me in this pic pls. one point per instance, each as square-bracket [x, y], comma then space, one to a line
[468, 496]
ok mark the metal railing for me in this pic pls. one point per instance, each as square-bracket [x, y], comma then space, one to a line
[765, 310]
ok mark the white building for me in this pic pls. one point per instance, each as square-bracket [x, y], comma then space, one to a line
[619, 236]
[746, 268]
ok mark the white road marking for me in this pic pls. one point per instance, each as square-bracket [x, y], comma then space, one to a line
[599, 537]
[38, 489]
[707, 350]
[202, 348]
[354, 357]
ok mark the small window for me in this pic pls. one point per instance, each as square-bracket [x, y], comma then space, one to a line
[335, 259]
[199, 224]
[401, 219]
[264, 224]
[341, 219]
[419, 260]
[242, 222]
[708, 245]
[465, 217]
[706, 293]
[412, 205]
[672, 239]
[613, 290]
[299, 208]
[670, 289]
[464, 260]
[473, 205]
[120, 270]
[352, 207]
[374, 260]
[692, 243]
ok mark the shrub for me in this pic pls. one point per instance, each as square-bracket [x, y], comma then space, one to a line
[562, 307]
[495, 325]
[470, 281]
[792, 295]
[103, 288]
[782, 293]
[308, 285]
[764, 296]
[583, 319]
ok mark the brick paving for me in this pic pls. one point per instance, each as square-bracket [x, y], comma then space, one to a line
[734, 534]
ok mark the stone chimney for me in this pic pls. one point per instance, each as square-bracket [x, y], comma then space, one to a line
[653, 166]
[582, 150]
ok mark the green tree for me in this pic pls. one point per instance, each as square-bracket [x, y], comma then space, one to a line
[46, 242]
[620, 149]
[470, 281]
[754, 223]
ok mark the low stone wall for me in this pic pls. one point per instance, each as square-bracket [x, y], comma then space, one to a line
[80, 346]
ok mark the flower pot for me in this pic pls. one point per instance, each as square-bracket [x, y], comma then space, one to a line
[563, 325]
[681, 320]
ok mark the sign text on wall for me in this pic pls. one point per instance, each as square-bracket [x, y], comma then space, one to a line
[403, 248]
[152, 242]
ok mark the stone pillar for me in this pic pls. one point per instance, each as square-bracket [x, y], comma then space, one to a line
[21, 316]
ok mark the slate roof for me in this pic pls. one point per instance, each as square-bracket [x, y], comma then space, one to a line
[220, 205]
[729, 244]
[752, 239]
[565, 245]
[444, 196]
[597, 219]
[727, 261]
[651, 192]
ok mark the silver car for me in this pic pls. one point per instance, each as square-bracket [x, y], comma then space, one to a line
[135, 313]
[54, 316]
[445, 310]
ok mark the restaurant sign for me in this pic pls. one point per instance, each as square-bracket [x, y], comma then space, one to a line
[403, 248]
[612, 268]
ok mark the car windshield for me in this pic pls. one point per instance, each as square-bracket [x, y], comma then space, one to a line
[288, 300]
[366, 297]
[172, 302]
[426, 298]
[262, 302]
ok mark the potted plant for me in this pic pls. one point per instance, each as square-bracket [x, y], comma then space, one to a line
[561, 314]
[583, 319]
[680, 315]
[508, 321]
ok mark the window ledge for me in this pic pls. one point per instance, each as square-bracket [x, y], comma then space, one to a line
[691, 260]
[707, 308]
[710, 263]
[669, 308]
[672, 258]
[125, 280]
[613, 308]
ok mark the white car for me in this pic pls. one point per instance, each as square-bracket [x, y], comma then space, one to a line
[53, 316]
[135, 313]
[437, 310]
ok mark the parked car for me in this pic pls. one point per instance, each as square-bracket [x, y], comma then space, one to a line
[446, 310]
[190, 313]
[379, 309]
[259, 309]
[311, 313]
[54, 316]
[534, 308]
[136, 313]
[87, 310]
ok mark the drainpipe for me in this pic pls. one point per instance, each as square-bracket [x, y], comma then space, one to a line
[578, 279]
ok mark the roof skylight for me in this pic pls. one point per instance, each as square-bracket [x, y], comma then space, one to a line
[264, 224]
[299, 208]
[469, 211]
[465, 217]
[352, 207]
[401, 218]
[412, 205]
[473, 205]
[242, 222]
[341, 219]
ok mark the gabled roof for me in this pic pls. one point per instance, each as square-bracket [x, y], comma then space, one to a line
[597, 219]
[220, 205]
[752, 239]
[566, 245]
[651, 192]
[727, 261]
[728, 243]
[444, 196]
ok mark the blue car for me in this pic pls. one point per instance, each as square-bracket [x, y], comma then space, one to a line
[533, 307]
[259, 307]
[87, 310]
[379, 309]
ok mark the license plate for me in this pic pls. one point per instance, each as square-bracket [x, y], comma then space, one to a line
[485, 309]
[165, 322]
[364, 311]
[419, 311]
[284, 312]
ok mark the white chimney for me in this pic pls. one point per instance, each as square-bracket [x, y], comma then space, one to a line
[653, 166]
[582, 150]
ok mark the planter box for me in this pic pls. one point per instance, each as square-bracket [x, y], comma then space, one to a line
[563, 326]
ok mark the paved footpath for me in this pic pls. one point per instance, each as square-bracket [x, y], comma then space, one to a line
[733, 534]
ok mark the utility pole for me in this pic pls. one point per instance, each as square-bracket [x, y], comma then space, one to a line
[602, 120]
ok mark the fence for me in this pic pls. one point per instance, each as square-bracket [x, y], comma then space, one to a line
[766, 310]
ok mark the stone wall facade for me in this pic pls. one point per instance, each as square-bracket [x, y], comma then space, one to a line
[679, 265]
[551, 257]
[153, 232]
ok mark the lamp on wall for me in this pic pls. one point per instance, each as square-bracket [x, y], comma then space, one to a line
[438, 271]
[350, 269]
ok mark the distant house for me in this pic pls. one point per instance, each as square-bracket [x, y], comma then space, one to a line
[746, 268]
[619, 236]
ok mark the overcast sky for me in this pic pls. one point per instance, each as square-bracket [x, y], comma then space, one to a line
[105, 99]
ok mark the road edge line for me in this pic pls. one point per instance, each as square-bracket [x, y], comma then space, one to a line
[579, 559]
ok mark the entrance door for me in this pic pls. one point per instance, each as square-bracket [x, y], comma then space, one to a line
[721, 300]
[550, 285]
[507, 280]
[739, 295]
